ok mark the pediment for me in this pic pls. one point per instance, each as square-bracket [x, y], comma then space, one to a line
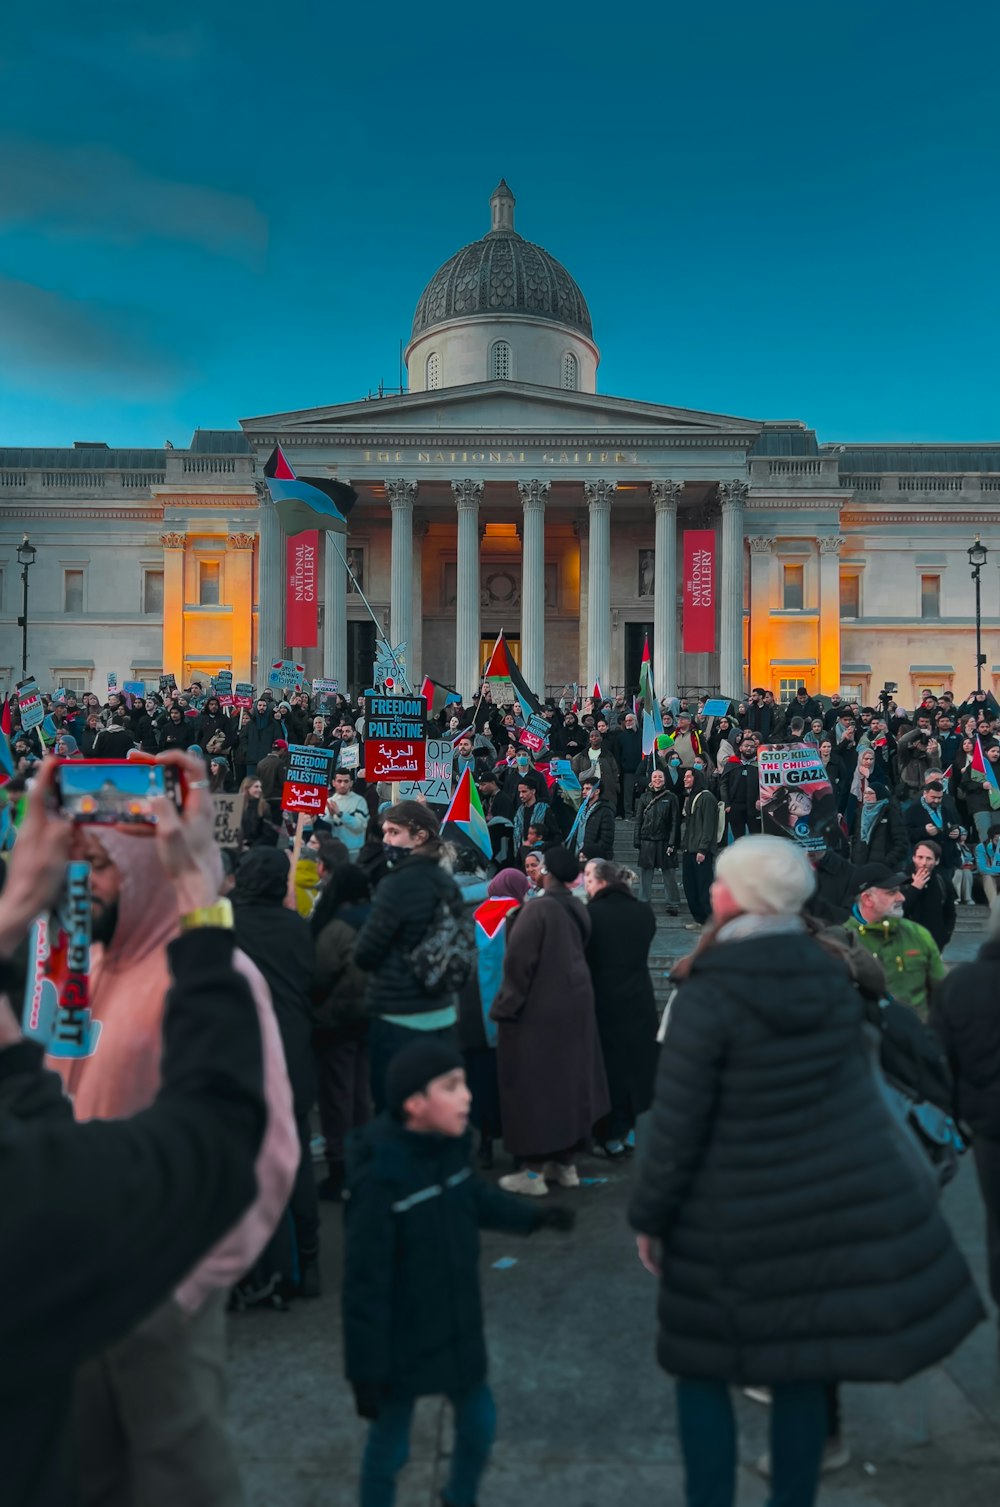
[513, 407]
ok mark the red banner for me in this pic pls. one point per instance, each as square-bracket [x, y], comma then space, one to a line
[699, 591]
[302, 590]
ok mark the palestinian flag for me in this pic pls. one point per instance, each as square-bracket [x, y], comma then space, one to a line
[984, 773]
[465, 817]
[597, 695]
[652, 716]
[317, 494]
[437, 695]
[505, 681]
[6, 757]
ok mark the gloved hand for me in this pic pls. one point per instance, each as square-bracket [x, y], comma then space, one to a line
[556, 1219]
[367, 1398]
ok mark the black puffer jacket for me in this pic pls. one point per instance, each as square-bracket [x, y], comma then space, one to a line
[404, 906]
[802, 1239]
[964, 1013]
[279, 941]
[413, 1316]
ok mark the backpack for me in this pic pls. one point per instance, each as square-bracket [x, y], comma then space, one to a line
[442, 962]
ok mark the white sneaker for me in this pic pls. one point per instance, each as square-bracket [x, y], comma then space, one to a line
[563, 1173]
[532, 1184]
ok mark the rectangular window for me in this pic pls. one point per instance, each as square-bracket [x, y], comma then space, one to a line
[794, 588]
[787, 689]
[70, 682]
[209, 582]
[850, 594]
[930, 596]
[73, 591]
[152, 592]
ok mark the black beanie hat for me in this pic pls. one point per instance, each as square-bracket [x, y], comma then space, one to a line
[562, 864]
[410, 1071]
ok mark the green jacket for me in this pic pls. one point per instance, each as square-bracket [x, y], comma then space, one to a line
[908, 954]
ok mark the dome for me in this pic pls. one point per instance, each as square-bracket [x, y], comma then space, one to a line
[502, 274]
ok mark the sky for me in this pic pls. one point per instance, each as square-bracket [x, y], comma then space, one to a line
[775, 210]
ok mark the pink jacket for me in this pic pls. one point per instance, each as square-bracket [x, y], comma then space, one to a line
[129, 982]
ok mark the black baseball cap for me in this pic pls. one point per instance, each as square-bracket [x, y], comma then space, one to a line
[879, 877]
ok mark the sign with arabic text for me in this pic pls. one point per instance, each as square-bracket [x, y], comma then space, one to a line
[395, 737]
[307, 782]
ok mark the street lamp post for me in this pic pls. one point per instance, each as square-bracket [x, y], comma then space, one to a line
[977, 559]
[25, 558]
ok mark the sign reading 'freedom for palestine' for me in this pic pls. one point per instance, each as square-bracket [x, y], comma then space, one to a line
[395, 737]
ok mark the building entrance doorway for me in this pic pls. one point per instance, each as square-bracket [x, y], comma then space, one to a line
[487, 645]
[360, 656]
[635, 637]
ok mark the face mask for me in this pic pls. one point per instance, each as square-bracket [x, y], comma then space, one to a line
[522, 764]
[675, 763]
[392, 853]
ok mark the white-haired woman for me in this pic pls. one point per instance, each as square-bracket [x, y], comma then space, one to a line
[799, 1241]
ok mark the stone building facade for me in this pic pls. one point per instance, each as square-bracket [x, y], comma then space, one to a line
[501, 490]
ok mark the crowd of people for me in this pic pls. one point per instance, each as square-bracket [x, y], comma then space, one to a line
[400, 987]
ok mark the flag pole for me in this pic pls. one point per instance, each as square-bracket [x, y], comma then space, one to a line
[331, 539]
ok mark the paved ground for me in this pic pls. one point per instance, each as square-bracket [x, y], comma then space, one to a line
[586, 1417]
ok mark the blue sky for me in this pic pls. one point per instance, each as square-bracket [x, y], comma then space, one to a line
[778, 210]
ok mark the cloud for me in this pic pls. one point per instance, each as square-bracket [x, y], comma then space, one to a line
[44, 333]
[97, 193]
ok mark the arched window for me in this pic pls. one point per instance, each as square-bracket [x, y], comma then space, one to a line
[570, 372]
[432, 371]
[500, 361]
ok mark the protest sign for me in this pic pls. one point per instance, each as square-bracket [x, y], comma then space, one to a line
[435, 786]
[136, 688]
[349, 756]
[168, 683]
[29, 703]
[222, 685]
[796, 797]
[57, 998]
[720, 707]
[325, 687]
[535, 735]
[395, 737]
[285, 675]
[243, 695]
[389, 670]
[308, 780]
[562, 773]
[112, 681]
[226, 825]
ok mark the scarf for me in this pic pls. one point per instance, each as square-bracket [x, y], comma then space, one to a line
[935, 813]
[525, 817]
[747, 925]
[870, 816]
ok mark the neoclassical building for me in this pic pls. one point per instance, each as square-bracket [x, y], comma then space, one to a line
[502, 490]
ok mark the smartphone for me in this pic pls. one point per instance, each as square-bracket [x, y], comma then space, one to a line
[114, 792]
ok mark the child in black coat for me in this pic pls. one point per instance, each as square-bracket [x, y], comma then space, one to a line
[413, 1321]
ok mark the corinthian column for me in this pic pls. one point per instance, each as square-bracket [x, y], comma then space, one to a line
[599, 495]
[334, 610]
[733, 496]
[533, 495]
[467, 636]
[270, 585]
[402, 495]
[665, 495]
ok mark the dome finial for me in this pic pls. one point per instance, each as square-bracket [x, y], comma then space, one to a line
[502, 203]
